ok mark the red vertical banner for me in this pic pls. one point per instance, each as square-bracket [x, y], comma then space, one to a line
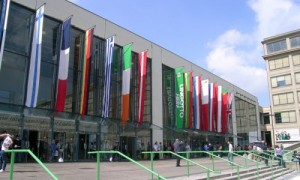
[142, 72]
[86, 70]
[215, 108]
[200, 124]
[205, 105]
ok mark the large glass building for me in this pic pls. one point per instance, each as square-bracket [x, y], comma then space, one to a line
[79, 133]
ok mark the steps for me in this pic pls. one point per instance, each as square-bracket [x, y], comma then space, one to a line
[250, 174]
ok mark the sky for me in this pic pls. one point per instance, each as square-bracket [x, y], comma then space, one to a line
[221, 36]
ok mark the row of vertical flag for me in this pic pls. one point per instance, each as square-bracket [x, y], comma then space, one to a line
[201, 105]
[63, 67]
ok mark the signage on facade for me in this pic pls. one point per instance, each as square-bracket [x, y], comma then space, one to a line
[287, 135]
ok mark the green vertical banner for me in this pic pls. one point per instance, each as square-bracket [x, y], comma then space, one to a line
[187, 99]
[179, 92]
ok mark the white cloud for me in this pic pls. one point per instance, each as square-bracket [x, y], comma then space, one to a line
[236, 56]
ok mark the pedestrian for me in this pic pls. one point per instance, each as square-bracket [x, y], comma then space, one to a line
[265, 153]
[230, 151]
[220, 151]
[278, 154]
[155, 148]
[17, 145]
[7, 142]
[53, 150]
[177, 148]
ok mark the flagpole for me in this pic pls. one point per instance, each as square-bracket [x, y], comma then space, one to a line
[113, 35]
[68, 18]
[128, 44]
[39, 6]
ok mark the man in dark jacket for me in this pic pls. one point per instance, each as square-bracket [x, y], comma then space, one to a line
[177, 148]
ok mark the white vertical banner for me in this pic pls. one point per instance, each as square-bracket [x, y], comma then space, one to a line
[35, 59]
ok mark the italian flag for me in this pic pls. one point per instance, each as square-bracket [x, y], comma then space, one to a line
[126, 82]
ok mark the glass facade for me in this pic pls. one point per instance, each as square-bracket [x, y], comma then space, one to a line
[74, 134]
[246, 122]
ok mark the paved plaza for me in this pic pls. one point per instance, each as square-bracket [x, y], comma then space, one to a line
[118, 170]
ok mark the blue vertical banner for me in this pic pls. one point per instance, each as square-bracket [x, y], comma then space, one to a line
[107, 75]
[3, 25]
[35, 59]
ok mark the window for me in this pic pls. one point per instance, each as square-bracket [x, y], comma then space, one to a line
[297, 77]
[295, 41]
[280, 81]
[284, 98]
[279, 63]
[276, 46]
[266, 117]
[296, 59]
[298, 96]
[285, 117]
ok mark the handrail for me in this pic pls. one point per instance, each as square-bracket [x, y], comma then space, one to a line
[256, 162]
[126, 157]
[290, 152]
[208, 171]
[12, 162]
[232, 163]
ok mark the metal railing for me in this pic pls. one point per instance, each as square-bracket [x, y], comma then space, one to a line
[208, 171]
[12, 162]
[211, 153]
[98, 153]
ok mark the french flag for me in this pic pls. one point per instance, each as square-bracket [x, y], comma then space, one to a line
[63, 66]
[205, 104]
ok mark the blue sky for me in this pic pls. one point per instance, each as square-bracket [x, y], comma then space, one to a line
[222, 36]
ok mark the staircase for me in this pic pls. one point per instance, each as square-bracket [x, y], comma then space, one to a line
[264, 173]
[293, 147]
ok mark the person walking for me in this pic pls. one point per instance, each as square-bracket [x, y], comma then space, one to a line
[7, 142]
[177, 148]
[18, 145]
[155, 148]
[230, 151]
[278, 154]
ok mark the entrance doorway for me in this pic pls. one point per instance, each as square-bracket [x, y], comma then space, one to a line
[128, 146]
[268, 138]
